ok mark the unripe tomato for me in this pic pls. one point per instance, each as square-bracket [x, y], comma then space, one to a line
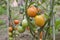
[10, 34]
[39, 2]
[16, 22]
[10, 29]
[24, 23]
[16, 32]
[10, 38]
[21, 29]
[32, 11]
[40, 20]
[36, 32]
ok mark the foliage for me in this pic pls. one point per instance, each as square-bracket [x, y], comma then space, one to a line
[58, 2]
[3, 27]
[3, 7]
[57, 24]
[47, 9]
[2, 22]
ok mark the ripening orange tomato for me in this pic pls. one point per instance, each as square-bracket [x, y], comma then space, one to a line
[39, 20]
[16, 21]
[32, 11]
[10, 29]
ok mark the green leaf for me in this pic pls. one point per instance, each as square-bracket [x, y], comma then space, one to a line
[58, 2]
[43, 1]
[31, 3]
[2, 22]
[50, 30]
[2, 10]
[46, 15]
[3, 27]
[57, 24]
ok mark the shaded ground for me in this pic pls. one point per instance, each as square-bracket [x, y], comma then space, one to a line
[4, 31]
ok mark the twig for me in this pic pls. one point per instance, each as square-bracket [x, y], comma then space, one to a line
[51, 16]
[26, 2]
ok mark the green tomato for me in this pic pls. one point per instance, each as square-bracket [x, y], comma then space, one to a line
[10, 34]
[17, 33]
[33, 23]
[24, 23]
[10, 38]
[34, 29]
[21, 29]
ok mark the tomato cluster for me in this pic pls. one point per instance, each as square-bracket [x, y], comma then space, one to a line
[32, 12]
[39, 20]
[17, 29]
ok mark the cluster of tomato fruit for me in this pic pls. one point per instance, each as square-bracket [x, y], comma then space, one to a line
[17, 29]
[31, 12]
[39, 20]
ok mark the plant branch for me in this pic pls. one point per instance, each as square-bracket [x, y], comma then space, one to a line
[51, 16]
[31, 30]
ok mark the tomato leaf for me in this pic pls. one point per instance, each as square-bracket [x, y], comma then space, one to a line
[31, 3]
[57, 24]
[43, 1]
[46, 15]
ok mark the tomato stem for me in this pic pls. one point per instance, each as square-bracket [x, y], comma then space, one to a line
[51, 16]
[28, 19]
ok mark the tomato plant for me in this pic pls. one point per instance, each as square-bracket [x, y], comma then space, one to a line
[10, 34]
[37, 17]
